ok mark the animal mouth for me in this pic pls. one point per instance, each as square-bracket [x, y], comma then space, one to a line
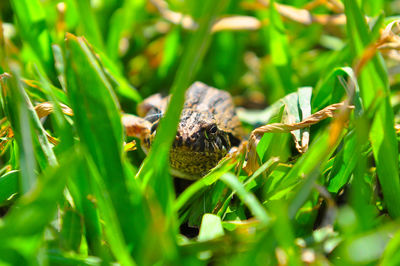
[193, 155]
[190, 164]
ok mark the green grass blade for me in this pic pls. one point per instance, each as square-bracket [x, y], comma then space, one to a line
[89, 23]
[248, 183]
[329, 90]
[71, 230]
[374, 84]
[195, 50]
[122, 86]
[122, 22]
[248, 198]
[32, 25]
[18, 115]
[279, 49]
[8, 185]
[309, 165]
[194, 190]
[283, 232]
[344, 164]
[22, 228]
[56, 257]
[34, 210]
[81, 192]
[107, 209]
[97, 121]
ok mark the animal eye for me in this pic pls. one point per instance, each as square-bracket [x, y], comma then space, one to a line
[154, 126]
[213, 129]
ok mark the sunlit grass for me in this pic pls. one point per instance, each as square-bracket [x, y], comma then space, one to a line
[70, 193]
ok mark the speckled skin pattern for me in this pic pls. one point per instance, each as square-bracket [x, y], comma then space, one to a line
[207, 130]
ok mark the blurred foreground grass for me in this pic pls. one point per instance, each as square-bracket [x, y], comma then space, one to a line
[70, 194]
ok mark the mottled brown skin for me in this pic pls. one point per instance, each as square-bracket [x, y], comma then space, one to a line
[207, 130]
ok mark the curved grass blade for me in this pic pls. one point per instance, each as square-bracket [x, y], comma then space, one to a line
[8, 185]
[247, 183]
[122, 86]
[330, 90]
[42, 148]
[78, 185]
[98, 124]
[248, 198]
[195, 190]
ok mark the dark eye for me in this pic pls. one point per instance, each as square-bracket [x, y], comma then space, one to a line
[154, 126]
[212, 129]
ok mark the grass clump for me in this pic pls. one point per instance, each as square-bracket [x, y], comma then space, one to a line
[326, 192]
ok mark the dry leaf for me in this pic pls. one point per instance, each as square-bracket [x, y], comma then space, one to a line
[251, 163]
[236, 23]
[46, 108]
[187, 22]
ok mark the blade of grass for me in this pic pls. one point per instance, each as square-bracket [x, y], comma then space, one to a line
[106, 206]
[170, 53]
[8, 185]
[32, 26]
[82, 194]
[279, 49]
[122, 21]
[247, 184]
[71, 230]
[78, 184]
[42, 148]
[35, 210]
[309, 165]
[22, 228]
[344, 163]
[374, 84]
[18, 115]
[122, 86]
[329, 90]
[157, 173]
[248, 198]
[98, 124]
[193, 191]
[89, 23]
